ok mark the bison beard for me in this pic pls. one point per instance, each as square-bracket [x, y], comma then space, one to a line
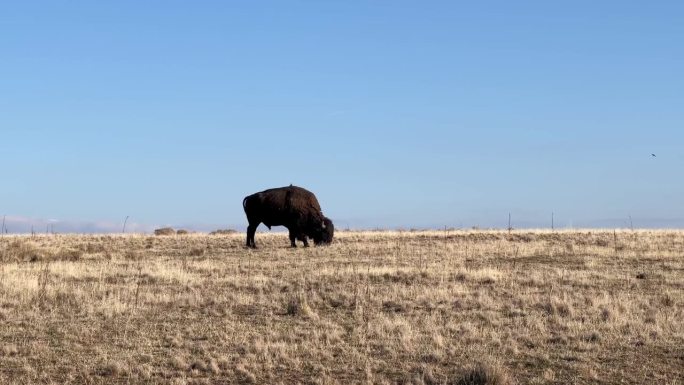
[292, 207]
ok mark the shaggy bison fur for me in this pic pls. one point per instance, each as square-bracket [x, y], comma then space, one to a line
[292, 207]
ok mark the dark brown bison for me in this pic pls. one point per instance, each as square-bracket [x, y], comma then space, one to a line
[292, 207]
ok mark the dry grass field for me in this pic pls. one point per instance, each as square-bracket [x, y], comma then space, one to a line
[437, 307]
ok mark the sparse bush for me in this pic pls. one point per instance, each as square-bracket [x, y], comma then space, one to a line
[667, 300]
[197, 251]
[592, 337]
[551, 308]
[165, 231]
[199, 366]
[92, 248]
[182, 232]
[245, 375]
[179, 363]
[9, 350]
[133, 255]
[297, 305]
[223, 232]
[26, 251]
[21, 251]
[112, 369]
[69, 255]
[606, 315]
[213, 366]
[393, 307]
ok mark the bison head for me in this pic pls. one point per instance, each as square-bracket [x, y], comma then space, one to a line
[324, 234]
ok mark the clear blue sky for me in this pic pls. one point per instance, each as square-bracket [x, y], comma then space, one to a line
[395, 113]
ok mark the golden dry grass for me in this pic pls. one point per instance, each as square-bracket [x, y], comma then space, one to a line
[457, 307]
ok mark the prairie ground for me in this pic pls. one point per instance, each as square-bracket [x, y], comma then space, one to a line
[433, 307]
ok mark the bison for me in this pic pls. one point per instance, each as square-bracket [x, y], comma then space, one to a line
[293, 207]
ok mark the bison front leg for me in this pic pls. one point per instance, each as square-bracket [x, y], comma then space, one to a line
[302, 237]
[293, 238]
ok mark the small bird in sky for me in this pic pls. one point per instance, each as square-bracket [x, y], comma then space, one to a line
[653, 155]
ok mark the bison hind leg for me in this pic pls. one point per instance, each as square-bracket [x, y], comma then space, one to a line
[251, 230]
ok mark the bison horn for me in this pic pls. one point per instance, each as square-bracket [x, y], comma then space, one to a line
[323, 224]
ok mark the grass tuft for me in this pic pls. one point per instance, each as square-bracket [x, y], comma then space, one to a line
[484, 373]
